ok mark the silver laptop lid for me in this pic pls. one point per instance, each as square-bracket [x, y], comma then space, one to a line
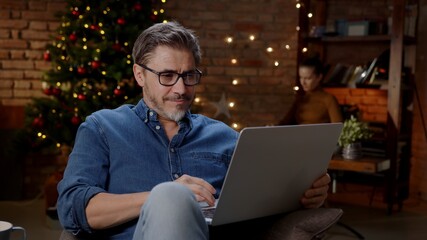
[272, 167]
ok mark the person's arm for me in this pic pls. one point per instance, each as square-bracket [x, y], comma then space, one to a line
[106, 210]
[317, 194]
[334, 110]
[289, 118]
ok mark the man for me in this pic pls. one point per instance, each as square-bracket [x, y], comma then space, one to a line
[140, 171]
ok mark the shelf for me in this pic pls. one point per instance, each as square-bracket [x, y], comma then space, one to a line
[364, 164]
[357, 39]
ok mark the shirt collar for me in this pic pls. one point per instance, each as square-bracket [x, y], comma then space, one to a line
[147, 114]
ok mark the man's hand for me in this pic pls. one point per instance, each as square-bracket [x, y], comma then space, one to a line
[201, 189]
[317, 194]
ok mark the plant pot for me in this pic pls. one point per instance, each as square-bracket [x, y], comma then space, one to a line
[352, 151]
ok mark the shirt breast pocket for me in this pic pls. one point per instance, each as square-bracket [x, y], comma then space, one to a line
[210, 166]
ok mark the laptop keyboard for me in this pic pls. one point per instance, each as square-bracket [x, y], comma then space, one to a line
[208, 212]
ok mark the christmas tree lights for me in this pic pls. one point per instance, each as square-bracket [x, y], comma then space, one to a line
[91, 66]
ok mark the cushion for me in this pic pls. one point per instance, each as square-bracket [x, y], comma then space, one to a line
[305, 224]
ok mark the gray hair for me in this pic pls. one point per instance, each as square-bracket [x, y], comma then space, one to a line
[171, 34]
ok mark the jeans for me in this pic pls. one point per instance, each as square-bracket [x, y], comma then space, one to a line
[172, 212]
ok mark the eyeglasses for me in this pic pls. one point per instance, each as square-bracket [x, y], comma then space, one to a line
[170, 78]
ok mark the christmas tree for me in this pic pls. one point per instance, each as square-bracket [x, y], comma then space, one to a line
[91, 67]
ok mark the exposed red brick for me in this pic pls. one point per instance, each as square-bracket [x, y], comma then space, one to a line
[6, 84]
[5, 14]
[38, 25]
[39, 5]
[36, 74]
[13, 24]
[13, 44]
[21, 84]
[247, 27]
[35, 35]
[4, 54]
[17, 54]
[17, 64]
[13, 5]
[4, 34]
[38, 15]
[38, 45]
[11, 74]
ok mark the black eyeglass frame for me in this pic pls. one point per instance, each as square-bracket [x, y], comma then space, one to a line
[180, 75]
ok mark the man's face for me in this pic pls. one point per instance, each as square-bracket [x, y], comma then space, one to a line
[170, 102]
[308, 78]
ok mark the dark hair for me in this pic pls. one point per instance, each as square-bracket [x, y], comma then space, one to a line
[171, 34]
[315, 63]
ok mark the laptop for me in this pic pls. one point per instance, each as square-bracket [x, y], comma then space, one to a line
[271, 168]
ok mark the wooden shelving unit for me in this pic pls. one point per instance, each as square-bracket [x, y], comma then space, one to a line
[395, 41]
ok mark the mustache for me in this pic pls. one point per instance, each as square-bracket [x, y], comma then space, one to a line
[177, 97]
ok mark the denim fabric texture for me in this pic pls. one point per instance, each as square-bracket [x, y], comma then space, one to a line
[126, 150]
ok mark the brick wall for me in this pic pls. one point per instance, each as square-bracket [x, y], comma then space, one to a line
[264, 91]
[25, 27]
[372, 103]
[261, 97]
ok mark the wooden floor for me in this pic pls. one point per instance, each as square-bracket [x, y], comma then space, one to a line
[370, 220]
[366, 213]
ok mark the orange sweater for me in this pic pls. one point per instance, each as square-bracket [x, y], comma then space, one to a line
[314, 107]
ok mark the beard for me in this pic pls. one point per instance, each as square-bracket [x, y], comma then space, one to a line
[177, 114]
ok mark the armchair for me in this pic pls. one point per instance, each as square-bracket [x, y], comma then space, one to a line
[307, 224]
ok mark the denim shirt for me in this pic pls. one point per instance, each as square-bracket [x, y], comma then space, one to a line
[126, 150]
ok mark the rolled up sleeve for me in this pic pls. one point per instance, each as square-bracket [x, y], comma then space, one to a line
[85, 176]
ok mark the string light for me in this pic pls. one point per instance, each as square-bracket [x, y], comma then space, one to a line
[197, 100]
[269, 49]
[296, 88]
[310, 15]
[276, 63]
[235, 81]
[233, 61]
[251, 37]
[229, 40]
[304, 50]
[235, 125]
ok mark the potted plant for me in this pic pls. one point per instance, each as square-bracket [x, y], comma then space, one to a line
[352, 134]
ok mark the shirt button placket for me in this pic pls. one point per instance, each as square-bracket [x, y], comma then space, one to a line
[174, 163]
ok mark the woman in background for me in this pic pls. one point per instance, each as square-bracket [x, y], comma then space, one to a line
[312, 105]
